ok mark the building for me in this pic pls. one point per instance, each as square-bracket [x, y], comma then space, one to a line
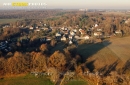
[31, 28]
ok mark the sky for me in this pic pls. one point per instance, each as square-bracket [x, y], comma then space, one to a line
[78, 4]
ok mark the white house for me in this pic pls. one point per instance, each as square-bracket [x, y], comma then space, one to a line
[82, 31]
[96, 25]
[75, 30]
[58, 35]
[118, 32]
[70, 42]
[86, 37]
[97, 33]
[72, 33]
[48, 38]
[63, 38]
[66, 32]
[45, 24]
[45, 28]
[99, 29]
[64, 28]
[31, 28]
[37, 27]
[70, 37]
[76, 37]
[37, 30]
[127, 21]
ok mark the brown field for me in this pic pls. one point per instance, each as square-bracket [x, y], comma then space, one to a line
[111, 54]
[115, 13]
[121, 47]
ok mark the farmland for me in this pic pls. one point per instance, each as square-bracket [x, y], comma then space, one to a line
[8, 20]
[25, 80]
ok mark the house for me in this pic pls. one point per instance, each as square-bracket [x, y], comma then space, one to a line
[6, 26]
[72, 33]
[45, 24]
[64, 28]
[98, 34]
[82, 31]
[31, 28]
[27, 26]
[96, 25]
[37, 30]
[70, 37]
[76, 37]
[44, 28]
[118, 32]
[66, 32]
[48, 39]
[127, 21]
[74, 30]
[86, 37]
[70, 42]
[99, 29]
[58, 35]
[63, 38]
[37, 27]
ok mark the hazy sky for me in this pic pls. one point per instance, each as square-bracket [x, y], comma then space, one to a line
[74, 4]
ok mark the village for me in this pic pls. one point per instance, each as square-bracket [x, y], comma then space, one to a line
[63, 46]
[70, 35]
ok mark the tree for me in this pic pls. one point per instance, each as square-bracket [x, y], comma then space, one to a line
[2, 66]
[44, 48]
[16, 64]
[58, 60]
[53, 43]
[54, 74]
[39, 62]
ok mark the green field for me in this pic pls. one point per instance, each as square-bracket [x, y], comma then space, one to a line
[8, 20]
[77, 83]
[26, 80]
[32, 80]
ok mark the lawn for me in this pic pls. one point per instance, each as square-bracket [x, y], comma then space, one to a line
[8, 20]
[26, 80]
[77, 83]
[30, 79]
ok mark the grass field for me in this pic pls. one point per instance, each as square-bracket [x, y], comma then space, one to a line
[77, 83]
[114, 13]
[32, 80]
[121, 47]
[26, 80]
[113, 52]
[97, 55]
[8, 20]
